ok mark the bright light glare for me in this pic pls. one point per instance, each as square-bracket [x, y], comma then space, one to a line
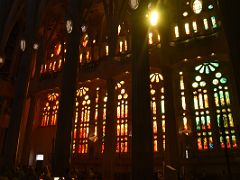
[154, 16]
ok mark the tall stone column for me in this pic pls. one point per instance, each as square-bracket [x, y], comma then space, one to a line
[110, 133]
[171, 151]
[28, 131]
[142, 130]
[229, 17]
[5, 6]
[21, 87]
[62, 151]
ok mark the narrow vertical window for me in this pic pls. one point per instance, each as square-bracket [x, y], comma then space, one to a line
[107, 50]
[50, 110]
[158, 111]
[96, 112]
[122, 118]
[195, 28]
[224, 112]
[184, 127]
[104, 120]
[187, 28]
[150, 38]
[214, 22]
[205, 22]
[120, 46]
[125, 45]
[202, 115]
[82, 121]
[176, 30]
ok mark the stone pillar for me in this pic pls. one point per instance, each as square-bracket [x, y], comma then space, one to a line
[28, 131]
[110, 133]
[62, 151]
[21, 87]
[5, 6]
[171, 151]
[142, 129]
[229, 17]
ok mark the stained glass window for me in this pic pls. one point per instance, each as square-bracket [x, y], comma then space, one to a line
[104, 120]
[222, 108]
[176, 31]
[184, 127]
[187, 28]
[122, 117]
[82, 121]
[96, 111]
[122, 39]
[195, 28]
[202, 114]
[54, 61]
[207, 68]
[214, 22]
[50, 110]
[197, 6]
[205, 22]
[224, 112]
[158, 110]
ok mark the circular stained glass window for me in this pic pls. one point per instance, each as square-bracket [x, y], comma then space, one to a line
[195, 85]
[215, 82]
[198, 78]
[218, 75]
[223, 80]
[202, 83]
[197, 6]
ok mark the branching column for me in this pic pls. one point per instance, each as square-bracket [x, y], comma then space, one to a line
[171, 151]
[21, 87]
[28, 131]
[62, 151]
[110, 135]
[142, 137]
[230, 16]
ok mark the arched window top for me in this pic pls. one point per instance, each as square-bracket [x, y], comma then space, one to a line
[82, 91]
[156, 77]
[207, 67]
[85, 40]
[119, 85]
[53, 96]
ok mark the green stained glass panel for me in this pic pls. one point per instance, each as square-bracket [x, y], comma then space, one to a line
[223, 80]
[197, 68]
[227, 97]
[216, 99]
[218, 75]
[198, 123]
[207, 70]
